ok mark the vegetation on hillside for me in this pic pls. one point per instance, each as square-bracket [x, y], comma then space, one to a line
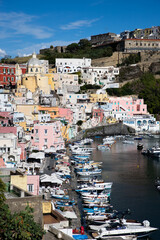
[17, 225]
[131, 59]
[147, 87]
[78, 50]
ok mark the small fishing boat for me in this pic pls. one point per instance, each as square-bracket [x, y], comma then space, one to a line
[139, 146]
[128, 142]
[63, 197]
[89, 173]
[103, 147]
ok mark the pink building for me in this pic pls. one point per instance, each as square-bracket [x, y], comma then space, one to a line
[129, 104]
[98, 114]
[47, 135]
[8, 130]
[33, 184]
[23, 146]
[6, 118]
[66, 113]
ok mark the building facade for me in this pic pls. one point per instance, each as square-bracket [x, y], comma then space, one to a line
[47, 135]
[8, 74]
[71, 65]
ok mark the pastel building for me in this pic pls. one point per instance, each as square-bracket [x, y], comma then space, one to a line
[35, 77]
[47, 135]
[29, 183]
[94, 98]
[53, 111]
[66, 113]
[64, 83]
[71, 65]
[132, 106]
[99, 75]
[143, 123]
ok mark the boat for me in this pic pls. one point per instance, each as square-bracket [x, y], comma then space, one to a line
[103, 147]
[153, 152]
[139, 146]
[120, 229]
[89, 173]
[128, 142]
[63, 197]
[97, 226]
[138, 138]
[86, 141]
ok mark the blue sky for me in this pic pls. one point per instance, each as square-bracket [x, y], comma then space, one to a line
[27, 26]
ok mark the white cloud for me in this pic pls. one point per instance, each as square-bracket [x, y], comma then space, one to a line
[22, 24]
[36, 47]
[79, 24]
[2, 53]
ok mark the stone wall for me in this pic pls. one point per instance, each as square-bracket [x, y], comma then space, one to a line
[109, 130]
[19, 204]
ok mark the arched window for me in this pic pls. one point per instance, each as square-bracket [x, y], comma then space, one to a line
[31, 70]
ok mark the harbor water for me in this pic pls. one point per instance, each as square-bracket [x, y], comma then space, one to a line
[133, 176]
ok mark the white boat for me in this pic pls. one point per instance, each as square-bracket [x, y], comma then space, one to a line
[103, 147]
[128, 142]
[95, 186]
[86, 141]
[95, 227]
[99, 216]
[117, 229]
[89, 173]
[80, 148]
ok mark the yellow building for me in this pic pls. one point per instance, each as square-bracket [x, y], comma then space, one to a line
[35, 77]
[65, 132]
[53, 111]
[30, 111]
[52, 70]
[19, 181]
[99, 98]
[51, 80]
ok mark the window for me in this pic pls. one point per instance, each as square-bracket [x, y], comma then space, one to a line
[4, 70]
[8, 78]
[30, 187]
[12, 79]
[31, 70]
[12, 70]
[4, 79]
[45, 140]
[45, 131]
[36, 69]
[36, 130]
[36, 140]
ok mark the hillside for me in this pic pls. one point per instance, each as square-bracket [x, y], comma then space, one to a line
[147, 58]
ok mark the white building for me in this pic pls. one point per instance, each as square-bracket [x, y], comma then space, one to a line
[75, 98]
[99, 75]
[143, 123]
[8, 147]
[71, 65]
[44, 117]
[5, 105]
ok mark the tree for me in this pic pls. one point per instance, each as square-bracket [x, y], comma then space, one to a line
[17, 225]
[51, 47]
[2, 190]
[84, 43]
[73, 48]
